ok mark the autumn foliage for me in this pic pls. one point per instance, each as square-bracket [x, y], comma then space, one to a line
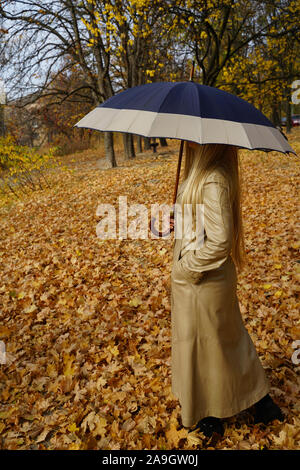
[87, 322]
[22, 168]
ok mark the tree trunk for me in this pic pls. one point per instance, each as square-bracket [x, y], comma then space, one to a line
[147, 143]
[2, 126]
[89, 138]
[131, 146]
[125, 145]
[163, 142]
[128, 146]
[288, 112]
[109, 149]
[275, 115]
[139, 146]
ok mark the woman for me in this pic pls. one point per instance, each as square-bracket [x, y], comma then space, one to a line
[216, 372]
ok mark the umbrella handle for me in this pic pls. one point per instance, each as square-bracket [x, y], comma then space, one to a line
[153, 230]
[178, 171]
[159, 233]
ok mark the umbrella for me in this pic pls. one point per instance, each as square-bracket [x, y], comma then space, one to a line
[187, 111]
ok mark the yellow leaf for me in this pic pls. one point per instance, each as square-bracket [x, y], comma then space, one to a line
[100, 427]
[72, 427]
[74, 446]
[21, 295]
[114, 350]
[296, 245]
[4, 331]
[155, 385]
[194, 439]
[51, 370]
[173, 436]
[30, 309]
[155, 330]
[277, 266]
[68, 361]
[135, 302]
[267, 286]
[278, 293]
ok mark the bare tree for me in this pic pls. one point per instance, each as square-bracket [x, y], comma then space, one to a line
[48, 31]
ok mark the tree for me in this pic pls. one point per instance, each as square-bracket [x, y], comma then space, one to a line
[119, 44]
[216, 32]
[263, 72]
[111, 41]
[49, 31]
[133, 26]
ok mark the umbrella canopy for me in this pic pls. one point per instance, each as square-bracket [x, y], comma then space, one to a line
[187, 111]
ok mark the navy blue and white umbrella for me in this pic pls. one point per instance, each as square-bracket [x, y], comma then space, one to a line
[187, 111]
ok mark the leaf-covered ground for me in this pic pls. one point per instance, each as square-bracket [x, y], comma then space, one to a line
[87, 323]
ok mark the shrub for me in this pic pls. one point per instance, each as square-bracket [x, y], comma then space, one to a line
[22, 169]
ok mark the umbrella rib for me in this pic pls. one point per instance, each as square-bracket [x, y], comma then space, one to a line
[113, 117]
[135, 118]
[247, 137]
[152, 124]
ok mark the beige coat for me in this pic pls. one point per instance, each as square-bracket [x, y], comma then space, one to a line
[215, 367]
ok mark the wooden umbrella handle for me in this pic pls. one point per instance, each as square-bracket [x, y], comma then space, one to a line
[178, 170]
[153, 230]
[181, 146]
[159, 233]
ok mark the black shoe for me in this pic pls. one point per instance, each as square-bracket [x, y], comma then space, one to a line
[210, 425]
[266, 411]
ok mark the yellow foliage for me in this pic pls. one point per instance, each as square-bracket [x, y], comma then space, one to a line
[22, 166]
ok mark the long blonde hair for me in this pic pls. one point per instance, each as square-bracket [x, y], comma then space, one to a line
[200, 160]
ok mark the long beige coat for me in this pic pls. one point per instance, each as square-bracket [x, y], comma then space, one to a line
[215, 367]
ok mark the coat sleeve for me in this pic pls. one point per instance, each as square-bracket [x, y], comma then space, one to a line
[218, 226]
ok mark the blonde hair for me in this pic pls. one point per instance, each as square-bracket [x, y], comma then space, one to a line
[200, 160]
